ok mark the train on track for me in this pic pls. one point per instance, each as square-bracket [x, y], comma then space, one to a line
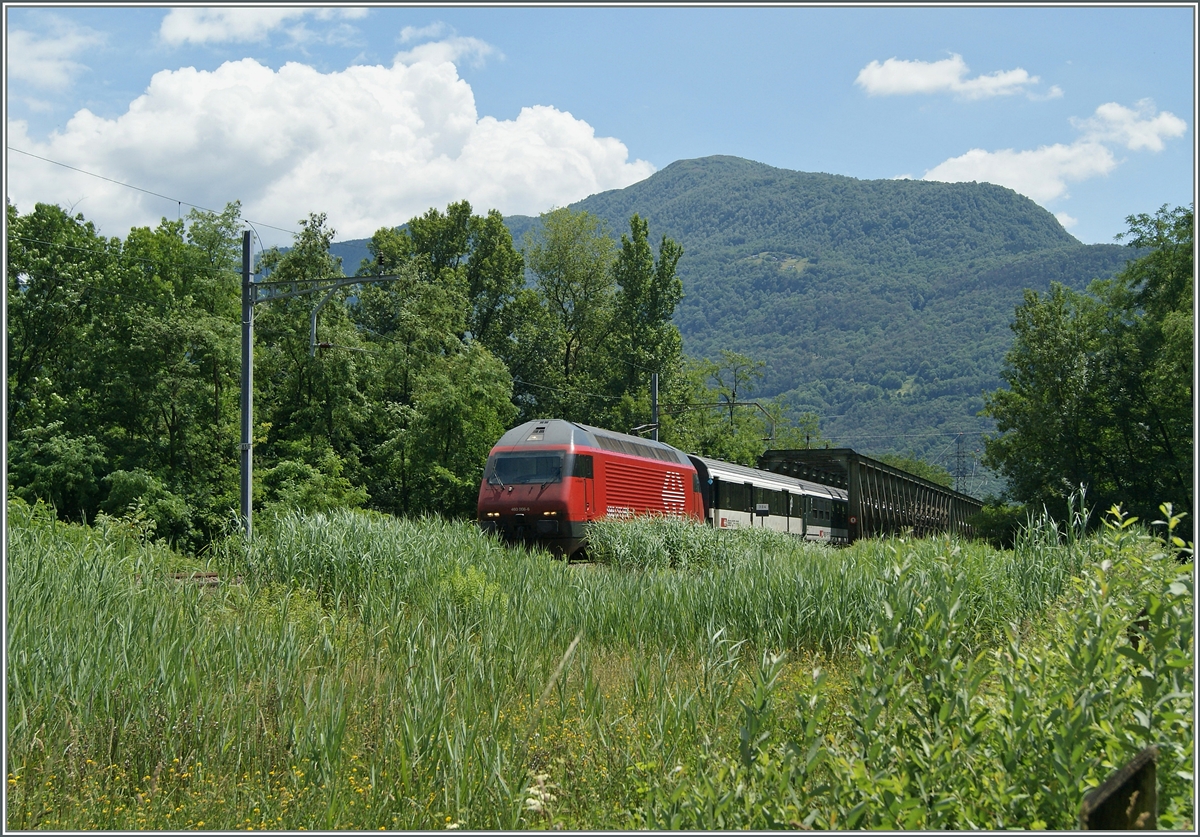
[545, 480]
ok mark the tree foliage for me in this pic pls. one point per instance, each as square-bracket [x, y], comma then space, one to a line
[1100, 384]
[123, 360]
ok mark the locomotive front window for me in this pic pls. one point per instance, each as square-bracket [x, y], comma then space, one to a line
[524, 468]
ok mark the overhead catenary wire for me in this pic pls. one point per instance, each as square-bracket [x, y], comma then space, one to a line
[124, 255]
[177, 201]
[561, 391]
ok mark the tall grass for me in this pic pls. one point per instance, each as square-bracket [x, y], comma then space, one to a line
[782, 592]
[356, 671]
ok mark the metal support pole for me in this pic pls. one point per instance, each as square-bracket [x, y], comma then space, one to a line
[654, 403]
[247, 448]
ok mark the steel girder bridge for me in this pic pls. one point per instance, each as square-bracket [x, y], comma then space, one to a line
[882, 500]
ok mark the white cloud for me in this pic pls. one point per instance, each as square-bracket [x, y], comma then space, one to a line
[1044, 173]
[1041, 174]
[371, 146]
[1066, 220]
[202, 26]
[346, 13]
[35, 105]
[1135, 128]
[451, 50]
[1055, 92]
[897, 77]
[414, 33]
[49, 63]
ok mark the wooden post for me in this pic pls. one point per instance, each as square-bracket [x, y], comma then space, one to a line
[1128, 799]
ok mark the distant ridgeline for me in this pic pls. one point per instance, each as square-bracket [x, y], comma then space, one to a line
[881, 305]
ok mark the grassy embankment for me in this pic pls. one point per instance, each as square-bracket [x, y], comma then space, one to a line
[354, 671]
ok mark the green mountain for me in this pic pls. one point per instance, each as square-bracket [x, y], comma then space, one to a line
[881, 305]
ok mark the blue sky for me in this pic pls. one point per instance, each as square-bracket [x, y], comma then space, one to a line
[375, 115]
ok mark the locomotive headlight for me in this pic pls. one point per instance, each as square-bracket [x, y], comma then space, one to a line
[550, 514]
[493, 514]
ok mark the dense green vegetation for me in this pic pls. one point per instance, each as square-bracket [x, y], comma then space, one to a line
[353, 671]
[124, 368]
[1100, 384]
[356, 669]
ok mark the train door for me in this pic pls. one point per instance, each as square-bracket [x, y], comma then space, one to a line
[584, 469]
[714, 504]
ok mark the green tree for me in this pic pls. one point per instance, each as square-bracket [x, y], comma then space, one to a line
[1100, 384]
[642, 339]
[570, 255]
[495, 276]
[456, 247]
[309, 406]
[648, 290]
[55, 465]
[127, 352]
[707, 413]
[56, 268]
[790, 431]
[436, 402]
[440, 241]
[1151, 350]
[1053, 418]
[124, 362]
[735, 377]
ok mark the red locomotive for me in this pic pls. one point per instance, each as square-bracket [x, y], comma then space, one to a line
[544, 480]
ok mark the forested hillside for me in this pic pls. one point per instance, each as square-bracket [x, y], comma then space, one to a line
[883, 306]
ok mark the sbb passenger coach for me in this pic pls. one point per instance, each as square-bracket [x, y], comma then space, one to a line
[736, 496]
[545, 480]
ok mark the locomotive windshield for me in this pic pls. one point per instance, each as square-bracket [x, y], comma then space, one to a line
[524, 468]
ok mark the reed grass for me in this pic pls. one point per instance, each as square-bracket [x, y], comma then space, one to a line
[353, 671]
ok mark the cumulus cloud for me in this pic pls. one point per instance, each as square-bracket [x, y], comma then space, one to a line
[49, 62]
[202, 26]
[1137, 128]
[371, 146]
[1043, 174]
[1066, 220]
[898, 77]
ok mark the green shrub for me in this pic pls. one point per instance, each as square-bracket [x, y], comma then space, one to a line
[944, 733]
